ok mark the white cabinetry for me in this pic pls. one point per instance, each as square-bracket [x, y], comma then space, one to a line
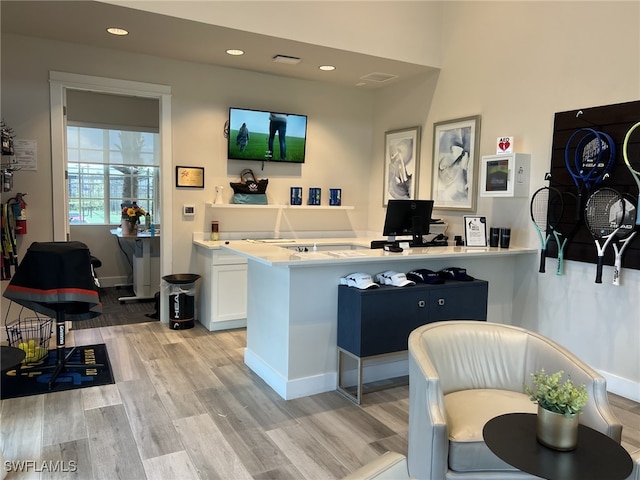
[223, 289]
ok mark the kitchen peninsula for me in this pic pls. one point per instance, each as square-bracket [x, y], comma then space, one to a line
[292, 298]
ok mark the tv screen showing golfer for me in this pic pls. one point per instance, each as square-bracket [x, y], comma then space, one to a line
[266, 136]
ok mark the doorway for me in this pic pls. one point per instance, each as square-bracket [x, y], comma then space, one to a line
[61, 84]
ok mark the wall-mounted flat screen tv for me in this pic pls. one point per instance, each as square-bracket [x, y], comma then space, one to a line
[266, 136]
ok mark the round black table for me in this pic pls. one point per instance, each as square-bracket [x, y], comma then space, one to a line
[11, 356]
[512, 437]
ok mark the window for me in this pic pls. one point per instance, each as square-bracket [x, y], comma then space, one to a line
[109, 167]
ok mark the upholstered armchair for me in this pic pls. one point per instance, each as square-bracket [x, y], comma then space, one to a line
[462, 374]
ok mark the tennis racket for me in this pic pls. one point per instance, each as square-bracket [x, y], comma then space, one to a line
[589, 164]
[634, 167]
[570, 229]
[624, 237]
[603, 215]
[546, 211]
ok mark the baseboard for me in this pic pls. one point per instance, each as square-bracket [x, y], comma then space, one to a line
[108, 282]
[225, 325]
[289, 389]
[622, 386]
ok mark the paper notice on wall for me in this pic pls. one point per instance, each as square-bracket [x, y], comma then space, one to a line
[26, 154]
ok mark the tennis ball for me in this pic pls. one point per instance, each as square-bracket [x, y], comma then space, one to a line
[23, 346]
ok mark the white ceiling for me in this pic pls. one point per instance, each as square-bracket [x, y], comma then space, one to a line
[85, 22]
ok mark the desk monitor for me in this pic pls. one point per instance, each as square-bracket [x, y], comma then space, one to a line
[408, 217]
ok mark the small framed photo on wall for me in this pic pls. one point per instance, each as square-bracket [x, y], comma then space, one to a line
[190, 177]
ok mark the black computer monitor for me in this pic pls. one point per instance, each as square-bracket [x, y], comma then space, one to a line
[408, 217]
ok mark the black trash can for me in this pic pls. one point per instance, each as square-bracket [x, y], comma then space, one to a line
[181, 290]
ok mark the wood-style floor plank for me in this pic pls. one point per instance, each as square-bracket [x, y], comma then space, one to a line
[63, 424]
[172, 465]
[114, 452]
[209, 449]
[152, 428]
[68, 461]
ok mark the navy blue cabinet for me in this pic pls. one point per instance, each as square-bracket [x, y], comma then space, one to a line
[377, 322]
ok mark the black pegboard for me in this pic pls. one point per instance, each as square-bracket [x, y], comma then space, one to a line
[614, 120]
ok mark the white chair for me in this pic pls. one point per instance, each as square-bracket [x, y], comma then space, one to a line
[462, 374]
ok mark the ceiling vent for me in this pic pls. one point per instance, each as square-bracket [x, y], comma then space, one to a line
[378, 77]
[286, 59]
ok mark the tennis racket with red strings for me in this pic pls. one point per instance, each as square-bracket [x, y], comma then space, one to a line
[624, 236]
[603, 215]
[590, 161]
[546, 210]
[632, 162]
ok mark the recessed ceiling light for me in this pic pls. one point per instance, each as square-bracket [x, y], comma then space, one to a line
[117, 31]
[326, 68]
[235, 52]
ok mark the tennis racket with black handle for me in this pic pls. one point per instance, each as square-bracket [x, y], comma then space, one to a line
[590, 161]
[632, 162]
[603, 215]
[546, 211]
[624, 236]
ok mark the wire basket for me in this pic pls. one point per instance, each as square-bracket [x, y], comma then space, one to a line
[31, 335]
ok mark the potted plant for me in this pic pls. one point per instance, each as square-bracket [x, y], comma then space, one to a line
[559, 406]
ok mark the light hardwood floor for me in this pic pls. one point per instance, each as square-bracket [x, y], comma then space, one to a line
[184, 406]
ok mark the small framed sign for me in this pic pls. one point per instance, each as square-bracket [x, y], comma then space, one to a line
[191, 177]
[475, 231]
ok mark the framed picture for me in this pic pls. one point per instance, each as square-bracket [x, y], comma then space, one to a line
[401, 159]
[475, 231]
[192, 177]
[455, 164]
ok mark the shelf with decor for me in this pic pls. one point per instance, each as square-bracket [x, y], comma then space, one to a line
[282, 207]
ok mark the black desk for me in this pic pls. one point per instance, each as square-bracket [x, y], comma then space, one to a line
[512, 437]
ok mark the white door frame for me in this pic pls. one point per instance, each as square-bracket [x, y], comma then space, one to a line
[59, 82]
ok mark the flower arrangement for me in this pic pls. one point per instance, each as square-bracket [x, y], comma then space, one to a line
[133, 213]
[552, 395]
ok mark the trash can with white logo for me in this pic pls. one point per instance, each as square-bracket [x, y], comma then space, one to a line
[181, 290]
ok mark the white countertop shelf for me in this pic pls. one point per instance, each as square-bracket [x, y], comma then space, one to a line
[274, 252]
[281, 207]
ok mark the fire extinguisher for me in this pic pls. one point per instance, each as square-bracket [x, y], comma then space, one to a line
[20, 213]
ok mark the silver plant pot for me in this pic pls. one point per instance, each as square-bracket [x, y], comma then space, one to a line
[557, 431]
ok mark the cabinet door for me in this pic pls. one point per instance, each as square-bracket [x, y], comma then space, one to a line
[229, 291]
[459, 301]
[373, 322]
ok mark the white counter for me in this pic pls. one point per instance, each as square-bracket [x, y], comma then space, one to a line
[293, 300]
[282, 252]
